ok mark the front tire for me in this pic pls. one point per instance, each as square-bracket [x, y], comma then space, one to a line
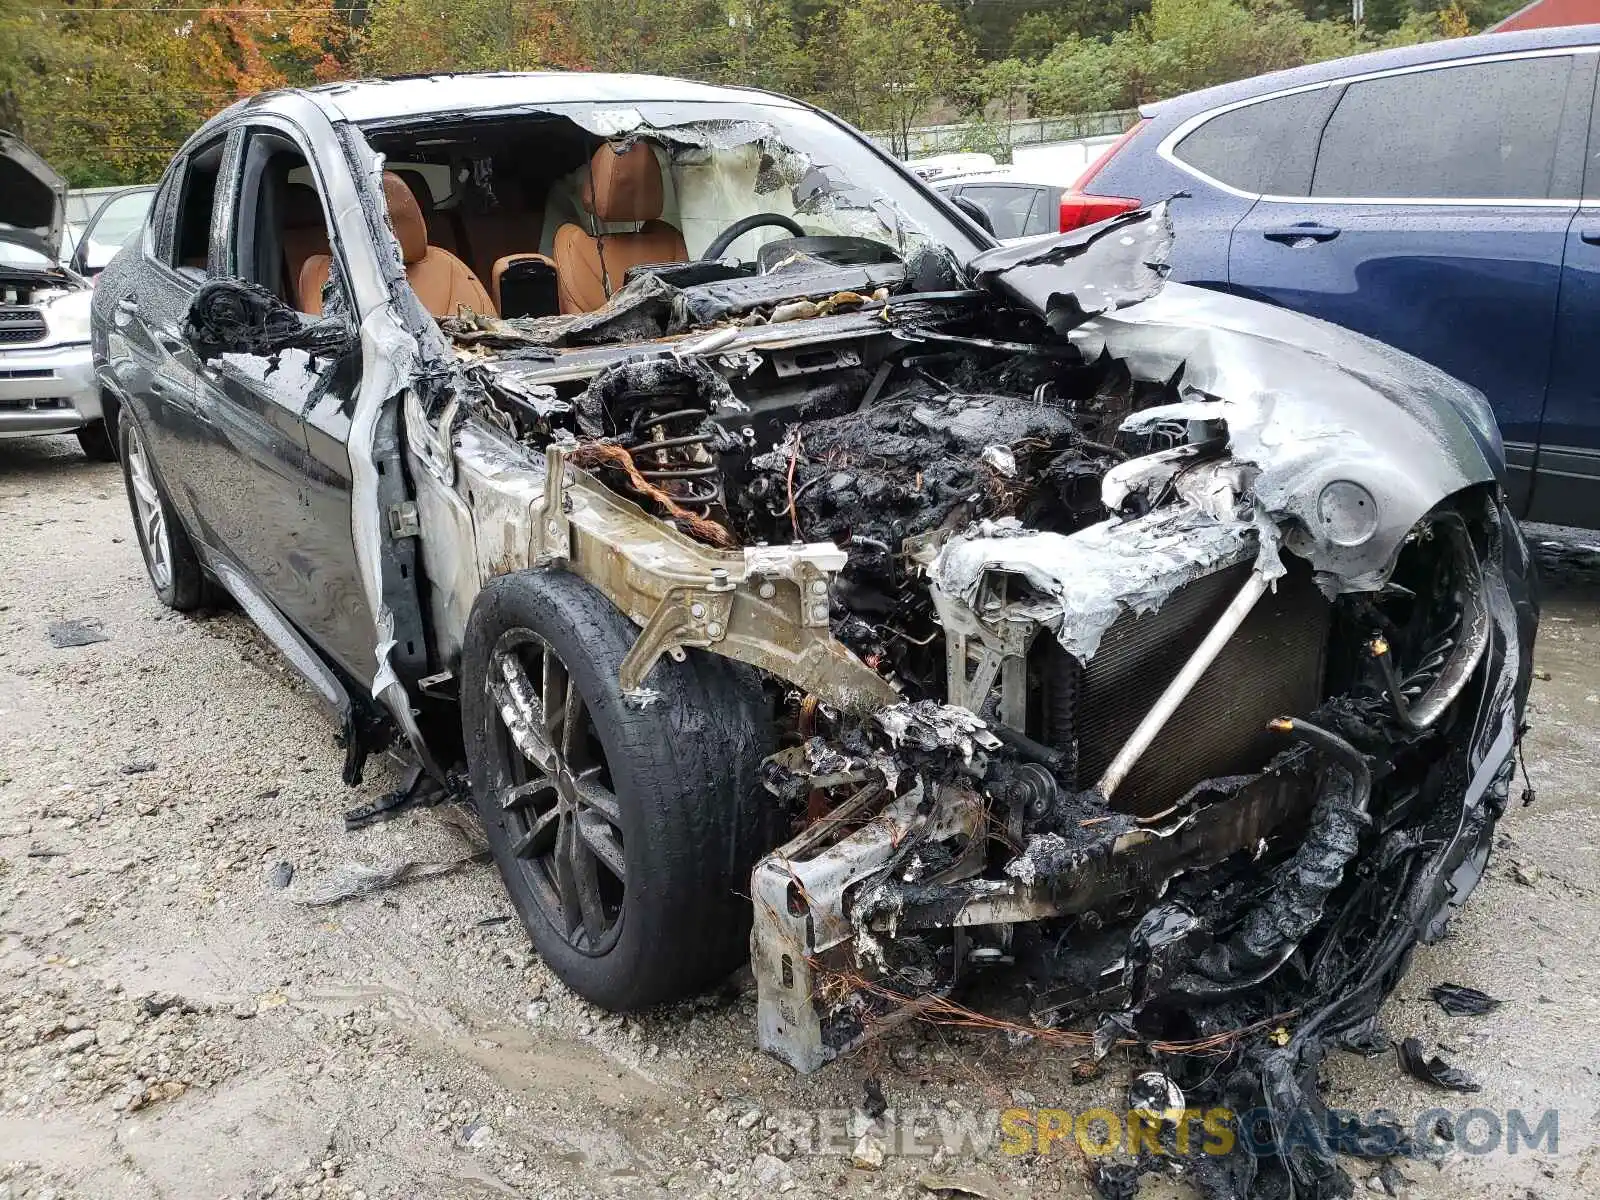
[169, 557]
[625, 833]
[97, 442]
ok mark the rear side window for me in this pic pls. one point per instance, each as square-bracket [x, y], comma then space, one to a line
[1264, 148]
[1482, 131]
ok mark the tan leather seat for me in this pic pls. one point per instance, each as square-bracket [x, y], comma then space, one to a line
[440, 233]
[305, 229]
[619, 187]
[441, 281]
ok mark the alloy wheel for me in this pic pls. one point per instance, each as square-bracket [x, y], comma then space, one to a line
[149, 513]
[562, 816]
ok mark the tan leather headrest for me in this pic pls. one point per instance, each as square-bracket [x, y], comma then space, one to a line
[623, 187]
[405, 218]
[418, 183]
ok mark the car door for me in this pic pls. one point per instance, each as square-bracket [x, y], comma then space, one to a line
[280, 501]
[1566, 478]
[153, 364]
[1214, 166]
[113, 223]
[1435, 221]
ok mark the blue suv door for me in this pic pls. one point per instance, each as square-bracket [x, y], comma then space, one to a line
[1262, 145]
[1435, 220]
[1566, 486]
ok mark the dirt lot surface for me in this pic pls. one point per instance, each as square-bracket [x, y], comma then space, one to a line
[176, 1020]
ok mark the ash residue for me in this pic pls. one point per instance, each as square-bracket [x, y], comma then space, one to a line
[912, 464]
[1084, 830]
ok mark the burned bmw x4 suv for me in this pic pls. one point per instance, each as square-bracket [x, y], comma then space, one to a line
[787, 569]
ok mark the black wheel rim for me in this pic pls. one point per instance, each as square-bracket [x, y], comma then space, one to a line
[560, 812]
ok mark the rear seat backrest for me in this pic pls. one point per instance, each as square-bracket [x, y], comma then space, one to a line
[513, 226]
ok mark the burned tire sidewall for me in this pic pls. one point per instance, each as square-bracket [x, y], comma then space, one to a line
[683, 769]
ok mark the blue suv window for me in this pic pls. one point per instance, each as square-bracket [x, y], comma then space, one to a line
[1260, 148]
[1482, 131]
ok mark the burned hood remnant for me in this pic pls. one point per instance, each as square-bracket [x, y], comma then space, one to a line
[1153, 652]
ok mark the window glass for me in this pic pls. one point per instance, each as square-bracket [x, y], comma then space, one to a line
[1046, 214]
[161, 208]
[1480, 131]
[1008, 207]
[1264, 148]
[192, 237]
[118, 220]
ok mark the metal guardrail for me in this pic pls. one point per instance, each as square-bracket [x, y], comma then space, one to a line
[990, 135]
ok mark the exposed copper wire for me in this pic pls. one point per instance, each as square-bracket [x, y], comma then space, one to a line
[808, 714]
[937, 1010]
[794, 457]
[591, 454]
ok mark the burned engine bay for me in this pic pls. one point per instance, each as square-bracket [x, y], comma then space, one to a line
[1147, 658]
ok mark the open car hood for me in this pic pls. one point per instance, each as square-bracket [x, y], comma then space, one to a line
[33, 199]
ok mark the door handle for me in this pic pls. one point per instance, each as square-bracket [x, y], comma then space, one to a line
[1591, 236]
[1290, 235]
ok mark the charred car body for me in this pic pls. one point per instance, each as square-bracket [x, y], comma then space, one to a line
[762, 533]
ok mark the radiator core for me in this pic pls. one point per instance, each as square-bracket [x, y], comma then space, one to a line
[1273, 666]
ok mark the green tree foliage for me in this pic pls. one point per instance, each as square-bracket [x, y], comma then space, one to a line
[1038, 31]
[107, 89]
[413, 36]
[902, 56]
[1182, 45]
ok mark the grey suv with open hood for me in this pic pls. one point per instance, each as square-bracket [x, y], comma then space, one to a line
[46, 375]
[782, 566]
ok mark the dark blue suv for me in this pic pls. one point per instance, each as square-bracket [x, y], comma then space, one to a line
[1443, 198]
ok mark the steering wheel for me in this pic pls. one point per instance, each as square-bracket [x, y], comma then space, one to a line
[719, 244]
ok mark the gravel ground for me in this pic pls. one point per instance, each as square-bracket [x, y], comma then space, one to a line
[176, 1020]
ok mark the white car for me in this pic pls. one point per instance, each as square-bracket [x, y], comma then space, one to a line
[47, 382]
[1018, 205]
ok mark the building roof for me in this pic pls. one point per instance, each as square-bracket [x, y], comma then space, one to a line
[1549, 14]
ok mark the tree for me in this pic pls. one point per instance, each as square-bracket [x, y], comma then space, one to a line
[1381, 16]
[1086, 76]
[1183, 45]
[1038, 32]
[413, 36]
[904, 55]
[761, 49]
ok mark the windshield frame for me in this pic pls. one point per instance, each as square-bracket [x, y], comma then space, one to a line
[918, 202]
